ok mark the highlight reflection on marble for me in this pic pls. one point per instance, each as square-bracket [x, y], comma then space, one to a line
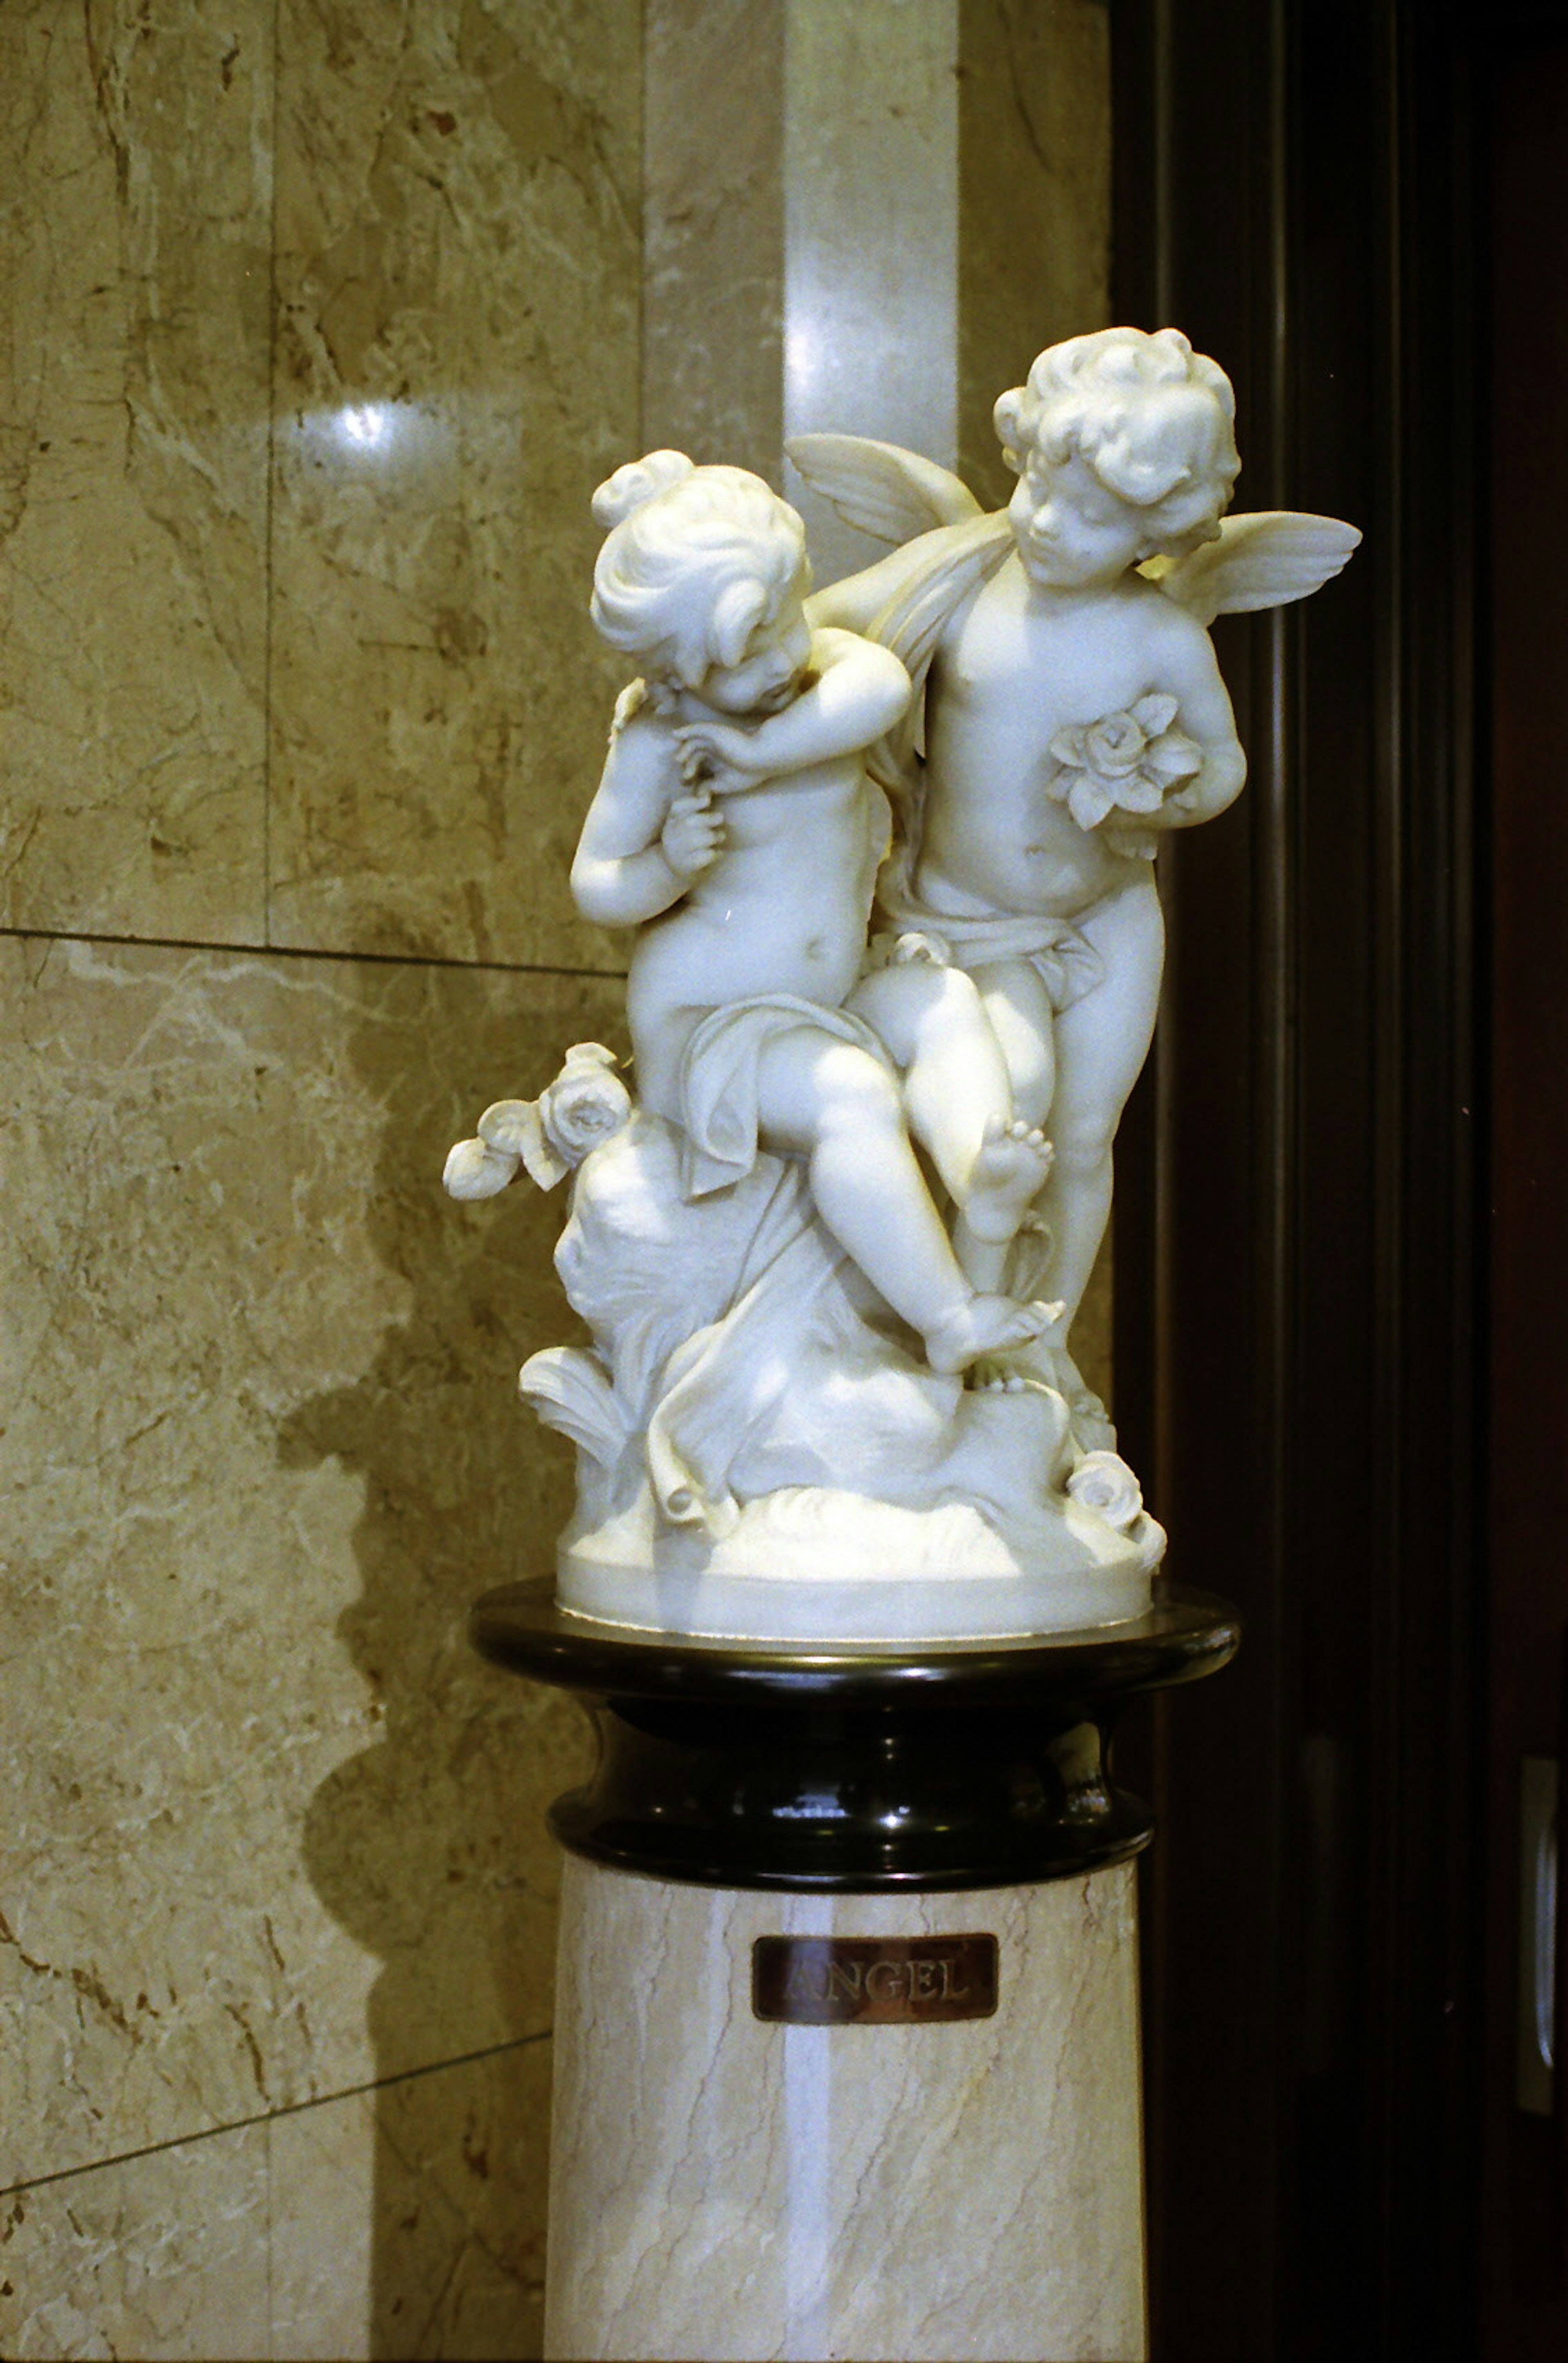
[726, 2188]
[135, 201]
[261, 1449]
[458, 272]
[871, 239]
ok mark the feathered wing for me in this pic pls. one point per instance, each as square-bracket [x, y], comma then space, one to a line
[891, 494]
[1264, 559]
[940, 572]
[919, 591]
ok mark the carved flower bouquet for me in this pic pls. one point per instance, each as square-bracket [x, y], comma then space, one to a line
[547, 1138]
[1127, 762]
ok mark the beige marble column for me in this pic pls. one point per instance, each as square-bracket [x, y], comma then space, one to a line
[724, 2187]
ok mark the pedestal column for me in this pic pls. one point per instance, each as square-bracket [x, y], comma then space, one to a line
[847, 2032]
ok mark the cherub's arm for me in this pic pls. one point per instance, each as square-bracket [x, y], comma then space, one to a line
[642, 845]
[859, 691]
[1186, 667]
[853, 603]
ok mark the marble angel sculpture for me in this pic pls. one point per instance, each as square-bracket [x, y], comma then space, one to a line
[737, 827]
[885, 853]
[1068, 714]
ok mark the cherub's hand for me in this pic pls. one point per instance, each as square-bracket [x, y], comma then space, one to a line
[692, 836]
[720, 755]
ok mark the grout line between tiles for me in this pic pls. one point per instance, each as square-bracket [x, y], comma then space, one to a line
[308, 952]
[269, 2116]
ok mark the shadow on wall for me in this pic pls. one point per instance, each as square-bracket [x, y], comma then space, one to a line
[430, 1847]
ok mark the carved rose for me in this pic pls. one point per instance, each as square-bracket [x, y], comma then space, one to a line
[1127, 762]
[1114, 747]
[1103, 1483]
[587, 1103]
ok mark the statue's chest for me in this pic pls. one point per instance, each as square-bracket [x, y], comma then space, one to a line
[827, 812]
[1032, 672]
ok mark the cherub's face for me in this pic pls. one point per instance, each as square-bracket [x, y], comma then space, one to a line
[772, 665]
[1073, 533]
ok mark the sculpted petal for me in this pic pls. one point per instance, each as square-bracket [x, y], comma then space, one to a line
[1155, 713]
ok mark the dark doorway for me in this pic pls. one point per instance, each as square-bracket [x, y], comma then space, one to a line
[1341, 1284]
[1524, 2314]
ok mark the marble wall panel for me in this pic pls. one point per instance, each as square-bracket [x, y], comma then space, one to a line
[408, 2221]
[159, 2256]
[713, 215]
[1034, 226]
[135, 217]
[459, 269]
[274, 1831]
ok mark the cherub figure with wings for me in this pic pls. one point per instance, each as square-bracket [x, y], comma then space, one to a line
[1073, 713]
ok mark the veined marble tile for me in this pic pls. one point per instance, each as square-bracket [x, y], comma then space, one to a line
[410, 2221]
[1034, 200]
[407, 2221]
[135, 203]
[164, 2256]
[272, 1829]
[714, 220]
[459, 270]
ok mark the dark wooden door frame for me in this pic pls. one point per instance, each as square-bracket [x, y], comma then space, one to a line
[1295, 188]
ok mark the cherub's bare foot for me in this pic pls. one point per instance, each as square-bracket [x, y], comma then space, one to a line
[1008, 1174]
[984, 1325]
[1020, 1367]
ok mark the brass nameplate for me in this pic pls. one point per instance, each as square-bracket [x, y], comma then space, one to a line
[872, 1981]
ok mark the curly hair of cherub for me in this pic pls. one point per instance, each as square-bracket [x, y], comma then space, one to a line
[1153, 419]
[694, 559]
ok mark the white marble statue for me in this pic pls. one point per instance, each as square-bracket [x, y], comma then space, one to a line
[1072, 714]
[886, 849]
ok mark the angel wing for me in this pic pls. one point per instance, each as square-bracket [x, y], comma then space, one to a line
[1264, 559]
[940, 570]
[891, 494]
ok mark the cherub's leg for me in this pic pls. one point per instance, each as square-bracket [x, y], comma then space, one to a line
[959, 1102]
[835, 1104]
[1017, 1009]
[1101, 1043]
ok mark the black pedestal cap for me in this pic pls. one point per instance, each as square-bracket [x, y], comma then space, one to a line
[877, 1766]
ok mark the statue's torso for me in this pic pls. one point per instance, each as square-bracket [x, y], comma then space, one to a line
[1014, 669]
[785, 906]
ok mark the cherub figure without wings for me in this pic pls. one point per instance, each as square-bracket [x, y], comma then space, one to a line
[886, 850]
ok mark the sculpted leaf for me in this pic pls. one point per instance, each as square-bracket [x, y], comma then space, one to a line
[569, 1390]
